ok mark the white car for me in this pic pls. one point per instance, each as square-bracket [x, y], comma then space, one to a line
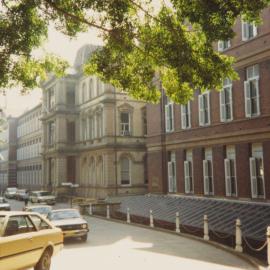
[42, 197]
[10, 192]
[4, 205]
[71, 223]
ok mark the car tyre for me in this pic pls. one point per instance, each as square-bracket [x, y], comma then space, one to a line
[84, 238]
[44, 262]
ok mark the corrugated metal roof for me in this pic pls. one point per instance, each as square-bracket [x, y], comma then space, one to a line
[222, 214]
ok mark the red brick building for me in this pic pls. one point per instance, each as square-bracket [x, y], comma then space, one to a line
[218, 144]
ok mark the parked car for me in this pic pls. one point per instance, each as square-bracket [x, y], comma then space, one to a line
[21, 194]
[4, 205]
[27, 240]
[10, 192]
[42, 209]
[42, 197]
[71, 223]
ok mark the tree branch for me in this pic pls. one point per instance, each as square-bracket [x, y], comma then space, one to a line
[74, 17]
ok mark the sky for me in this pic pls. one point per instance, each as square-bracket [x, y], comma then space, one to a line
[14, 103]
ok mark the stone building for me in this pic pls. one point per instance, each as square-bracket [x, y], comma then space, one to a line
[93, 135]
[29, 141]
[8, 153]
[218, 145]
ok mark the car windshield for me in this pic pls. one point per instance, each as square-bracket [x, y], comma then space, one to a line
[11, 189]
[63, 215]
[41, 210]
[2, 219]
[44, 193]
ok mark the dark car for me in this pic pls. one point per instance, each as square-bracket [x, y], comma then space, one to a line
[4, 205]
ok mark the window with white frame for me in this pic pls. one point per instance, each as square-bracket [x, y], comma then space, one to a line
[208, 173]
[186, 116]
[171, 172]
[125, 171]
[169, 116]
[230, 172]
[257, 172]
[223, 45]
[188, 172]
[125, 123]
[251, 88]
[249, 30]
[225, 98]
[204, 109]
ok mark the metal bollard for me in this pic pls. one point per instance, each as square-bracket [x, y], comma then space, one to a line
[177, 223]
[268, 246]
[128, 216]
[108, 212]
[238, 236]
[151, 219]
[205, 228]
[90, 209]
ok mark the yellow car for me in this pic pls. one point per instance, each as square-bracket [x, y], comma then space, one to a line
[27, 240]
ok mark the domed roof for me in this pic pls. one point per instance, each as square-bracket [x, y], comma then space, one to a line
[84, 53]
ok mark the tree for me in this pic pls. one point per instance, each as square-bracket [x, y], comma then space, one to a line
[144, 42]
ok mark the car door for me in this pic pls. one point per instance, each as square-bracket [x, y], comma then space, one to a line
[18, 246]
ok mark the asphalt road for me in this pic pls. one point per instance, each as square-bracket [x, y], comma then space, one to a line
[118, 246]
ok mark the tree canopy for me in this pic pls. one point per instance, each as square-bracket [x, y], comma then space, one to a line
[145, 42]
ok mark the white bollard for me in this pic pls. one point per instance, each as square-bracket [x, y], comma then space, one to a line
[128, 216]
[238, 236]
[108, 212]
[268, 246]
[177, 223]
[205, 228]
[151, 219]
[90, 209]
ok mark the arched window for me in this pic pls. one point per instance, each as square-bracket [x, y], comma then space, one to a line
[83, 92]
[125, 171]
[91, 89]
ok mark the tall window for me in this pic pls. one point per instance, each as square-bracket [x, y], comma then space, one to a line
[144, 122]
[252, 101]
[125, 123]
[223, 45]
[125, 171]
[171, 172]
[204, 109]
[230, 172]
[91, 130]
[91, 89]
[249, 30]
[257, 172]
[99, 124]
[51, 98]
[84, 129]
[186, 116]
[225, 97]
[169, 116]
[51, 133]
[83, 92]
[188, 173]
[208, 173]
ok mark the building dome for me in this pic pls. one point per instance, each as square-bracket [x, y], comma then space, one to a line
[84, 53]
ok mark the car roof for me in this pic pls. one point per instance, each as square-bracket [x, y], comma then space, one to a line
[64, 209]
[37, 206]
[36, 191]
[15, 213]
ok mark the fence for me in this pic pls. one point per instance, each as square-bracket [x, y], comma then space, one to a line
[237, 241]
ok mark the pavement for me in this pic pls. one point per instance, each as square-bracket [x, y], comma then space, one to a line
[119, 246]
